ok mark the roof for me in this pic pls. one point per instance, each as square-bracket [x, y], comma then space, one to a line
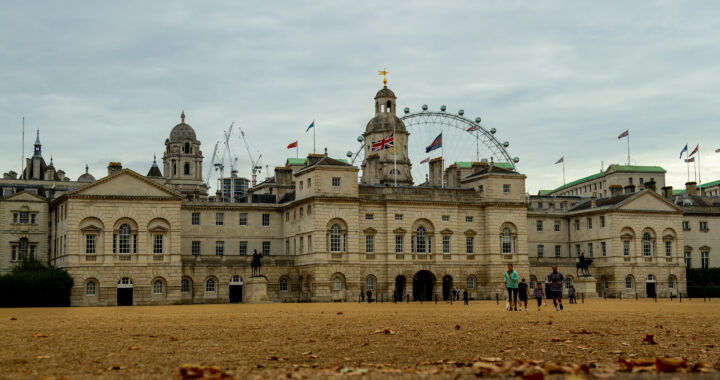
[601, 202]
[636, 168]
[468, 164]
[544, 192]
[385, 93]
[491, 169]
[709, 184]
[581, 180]
[385, 122]
[296, 161]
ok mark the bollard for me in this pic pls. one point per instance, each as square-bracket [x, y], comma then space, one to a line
[620, 295]
[497, 298]
[583, 297]
[636, 297]
[382, 298]
[407, 298]
[451, 299]
[680, 297]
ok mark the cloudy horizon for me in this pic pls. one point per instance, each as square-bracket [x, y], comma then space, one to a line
[107, 81]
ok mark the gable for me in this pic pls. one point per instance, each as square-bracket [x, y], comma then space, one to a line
[24, 196]
[647, 201]
[125, 184]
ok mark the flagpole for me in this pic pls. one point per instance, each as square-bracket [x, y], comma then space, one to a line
[628, 136]
[22, 158]
[687, 157]
[297, 147]
[442, 161]
[695, 169]
[563, 170]
[698, 167]
[314, 128]
[477, 148]
[394, 155]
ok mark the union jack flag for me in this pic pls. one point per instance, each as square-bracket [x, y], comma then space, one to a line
[386, 143]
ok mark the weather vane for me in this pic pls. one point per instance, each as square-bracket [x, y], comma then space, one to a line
[384, 73]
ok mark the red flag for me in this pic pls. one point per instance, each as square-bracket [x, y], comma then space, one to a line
[292, 145]
[624, 134]
[717, 150]
[562, 159]
[473, 128]
[386, 143]
[428, 159]
[694, 150]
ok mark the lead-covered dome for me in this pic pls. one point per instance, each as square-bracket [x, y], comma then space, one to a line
[385, 122]
[385, 93]
[182, 131]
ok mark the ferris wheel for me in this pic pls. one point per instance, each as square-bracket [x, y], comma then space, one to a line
[464, 140]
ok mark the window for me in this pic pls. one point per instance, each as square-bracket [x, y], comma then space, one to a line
[398, 216]
[90, 288]
[369, 243]
[557, 226]
[630, 181]
[266, 248]
[540, 251]
[370, 283]
[590, 249]
[369, 216]
[301, 185]
[186, 170]
[506, 188]
[24, 217]
[539, 205]
[602, 221]
[309, 243]
[568, 282]
[686, 225]
[603, 249]
[287, 247]
[158, 244]
[558, 250]
[302, 212]
[90, 246]
[336, 181]
[421, 240]
[470, 283]
[468, 219]
[195, 247]
[703, 226]
[589, 223]
[668, 248]
[628, 283]
[184, 286]
[219, 219]
[687, 257]
[287, 216]
[195, 218]
[283, 285]
[157, 287]
[124, 239]
[309, 210]
[242, 251]
[539, 225]
[309, 183]
[647, 245]
[266, 218]
[671, 283]
[335, 238]
[32, 218]
[446, 218]
[626, 248]
[210, 285]
[446, 244]
[243, 219]
[577, 225]
[705, 260]
[219, 248]
[399, 243]
[469, 245]
[337, 284]
[15, 217]
[508, 241]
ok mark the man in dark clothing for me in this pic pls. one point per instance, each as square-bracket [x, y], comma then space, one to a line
[556, 279]
[523, 293]
[362, 296]
[466, 297]
[369, 295]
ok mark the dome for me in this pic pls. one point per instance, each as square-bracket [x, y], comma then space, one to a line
[385, 122]
[87, 177]
[385, 93]
[182, 131]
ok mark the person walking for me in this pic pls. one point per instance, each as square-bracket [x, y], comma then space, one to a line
[466, 297]
[511, 282]
[556, 279]
[369, 296]
[523, 294]
[539, 294]
[571, 294]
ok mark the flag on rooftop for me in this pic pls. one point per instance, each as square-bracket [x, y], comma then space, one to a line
[312, 125]
[425, 160]
[683, 150]
[292, 145]
[437, 143]
[624, 134]
[473, 128]
[561, 160]
[694, 151]
[717, 150]
[385, 143]
[690, 160]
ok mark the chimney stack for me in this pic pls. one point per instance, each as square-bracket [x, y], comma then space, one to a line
[691, 188]
[615, 190]
[114, 167]
[629, 189]
[650, 185]
[667, 191]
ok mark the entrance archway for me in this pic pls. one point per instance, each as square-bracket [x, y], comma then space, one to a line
[400, 287]
[236, 289]
[447, 287]
[423, 284]
[650, 286]
[125, 292]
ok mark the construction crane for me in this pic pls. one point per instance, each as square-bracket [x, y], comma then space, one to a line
[255, 165]
[218, 164]
[212, 165]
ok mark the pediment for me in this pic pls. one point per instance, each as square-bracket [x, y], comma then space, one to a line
[647, 201]
[446, 231]
[125, 183]
[370, 231]
[470, 232]
[25, 196]
[399, 231]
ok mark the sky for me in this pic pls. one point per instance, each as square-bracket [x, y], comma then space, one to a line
[106, 81]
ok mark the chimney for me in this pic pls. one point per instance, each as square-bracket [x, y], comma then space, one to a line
[650, 185]
[629, 189]
[476, 166]
[10, 175]
[283, 175]
[114, 167]
[436, 171]
[313, 158]
[667, 191]
[593, 202]
[691, 188]
[615, 190]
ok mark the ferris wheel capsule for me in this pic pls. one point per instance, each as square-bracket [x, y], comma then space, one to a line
[424, 107]
[506, 144]
[461, 112]
[493, 130]
[516, 160]
[407, 110]
[442, 108]
[477, 120]
[360, 139]
[349, 154]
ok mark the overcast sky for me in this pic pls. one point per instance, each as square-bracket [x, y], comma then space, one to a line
[106, 81]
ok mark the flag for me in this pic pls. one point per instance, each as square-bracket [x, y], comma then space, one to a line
[473, 128]
[694, 151]
[690, 160]
[292, 145]
[624, 134]
[425, 160]
[437, 143]
[386, 143]
[717, 150]
[312, 125]
[683, 150]
[561, 160]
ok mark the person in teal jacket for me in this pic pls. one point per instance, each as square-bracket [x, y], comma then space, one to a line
[511, 282]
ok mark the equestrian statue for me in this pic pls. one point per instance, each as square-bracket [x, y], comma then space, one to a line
[582, 266]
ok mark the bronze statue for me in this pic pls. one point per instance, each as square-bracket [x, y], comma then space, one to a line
[582, 266]
[256, 263]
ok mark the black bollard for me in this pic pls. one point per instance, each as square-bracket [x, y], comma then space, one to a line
[620, 295]
[680, 297]
[407, 298]
[497, 298]
[583, 297]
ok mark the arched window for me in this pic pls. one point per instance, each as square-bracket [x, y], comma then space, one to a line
[283, 285]
[187, 147]
[335, 238]
[568, 282]
[370, 283]
[606, 283]
[187, 169]
[90, 288]
[647, 244]
[210, 285]
[388, 107]
[508, 241]
[124, 238]
[185, 286]
[470, 283]
[421, 240]
[337, 283]
[158, 287]
[628, 283]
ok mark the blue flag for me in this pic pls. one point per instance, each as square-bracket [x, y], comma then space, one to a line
[683, 150]
[312, 125]
[437, 143]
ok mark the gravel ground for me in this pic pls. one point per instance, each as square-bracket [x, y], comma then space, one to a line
[346, 339]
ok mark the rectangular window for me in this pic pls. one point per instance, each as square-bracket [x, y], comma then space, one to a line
[668, 248]
[539, 225]
[369, 243]
[630, 181]
[287, 216]
[32, 218]
[399, 243]
[589, 223]
[219, 219]
[195, 247]
[24, 217]
[577, 250]
[266, 248]
[539, 205]
[220, 248]
[309, 209]
[309, 183]
[687, 258]
[590, 249]
[157, 244]
[195, 218]
[243, 219]
[558, 250]
[302, 212]
[336, 181]
[641, 180]
[302, 245]
[602, 222]
[446, 244]
[577, 225]
[626, 248]
[469, 245]
[686, 225]
[398, 216]
[703, 226]
[90, 244]
[15, 217]
[603, 248]
[243, 248]
[266, 219]
[287, 247]
[468, 219]
[446, 218]
[506, 189]
[540, 251]
[310, 243]
[369, 216]
[705, 259]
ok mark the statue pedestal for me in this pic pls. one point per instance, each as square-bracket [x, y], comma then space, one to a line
[256, 290]
[585, 285]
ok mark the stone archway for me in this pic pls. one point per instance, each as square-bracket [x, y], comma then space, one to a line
[423, 285]
[400, 287]
[447, 287]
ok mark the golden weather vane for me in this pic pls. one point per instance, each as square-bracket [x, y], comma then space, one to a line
[384, 73]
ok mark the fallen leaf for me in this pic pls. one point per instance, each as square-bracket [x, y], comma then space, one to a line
[174, 338]
[457, 327]
[649, 338]
[490, 359]
[39, 335]
[665, 364]
[13, 319]
[44, 357]
[340, 313]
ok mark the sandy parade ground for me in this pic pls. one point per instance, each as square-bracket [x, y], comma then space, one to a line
[597, 339]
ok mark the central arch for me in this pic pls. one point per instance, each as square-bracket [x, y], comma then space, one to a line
[447, 287]
[400, 287]
[423, 285]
